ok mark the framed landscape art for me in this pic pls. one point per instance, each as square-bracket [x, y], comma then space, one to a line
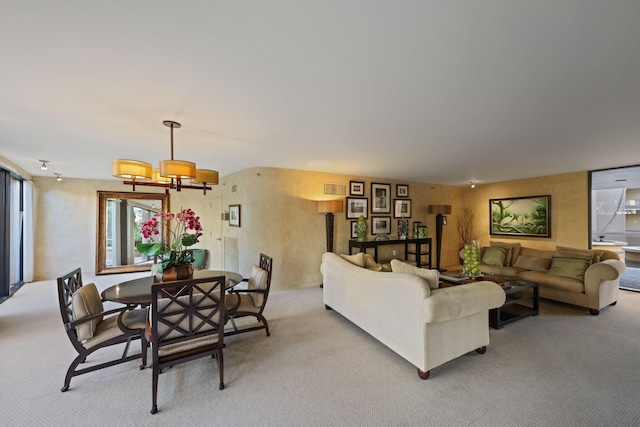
[521, 216]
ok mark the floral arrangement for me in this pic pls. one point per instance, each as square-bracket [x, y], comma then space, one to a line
[178, 226]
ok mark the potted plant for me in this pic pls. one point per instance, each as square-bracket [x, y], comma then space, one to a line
[183, 229]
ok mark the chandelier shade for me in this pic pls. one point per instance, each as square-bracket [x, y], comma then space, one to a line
[177, 169]
[207, 176]
[169, 175]
[131, 169]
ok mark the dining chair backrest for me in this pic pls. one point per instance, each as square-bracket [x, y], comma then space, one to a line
[187, 321]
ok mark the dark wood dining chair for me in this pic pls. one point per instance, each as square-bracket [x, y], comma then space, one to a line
[91, 328]
[251, 301]
[187, 321]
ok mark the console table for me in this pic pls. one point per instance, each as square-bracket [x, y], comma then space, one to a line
[419, 248]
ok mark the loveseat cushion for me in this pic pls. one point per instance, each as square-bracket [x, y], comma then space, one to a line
[594, 254]
[533, 263]
[555, 282]
[500, 271]
[371, 264]
[432, 277]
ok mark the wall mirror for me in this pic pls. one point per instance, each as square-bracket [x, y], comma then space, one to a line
[120, 218]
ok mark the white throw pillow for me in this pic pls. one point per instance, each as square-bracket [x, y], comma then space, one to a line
[432, 277]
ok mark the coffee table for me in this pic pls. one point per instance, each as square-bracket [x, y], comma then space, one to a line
[522, 300]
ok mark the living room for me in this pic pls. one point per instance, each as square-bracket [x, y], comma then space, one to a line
[291, 101]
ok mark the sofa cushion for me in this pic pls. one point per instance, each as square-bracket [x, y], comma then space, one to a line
[495, 255]
[533, 263]
[357, 259]
[569, 267]
[500, 271]
[513, 248]
[545, 280]
[432, 277]
[564, 251]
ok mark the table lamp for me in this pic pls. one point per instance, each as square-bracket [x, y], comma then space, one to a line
[328, 207]
[441, 219]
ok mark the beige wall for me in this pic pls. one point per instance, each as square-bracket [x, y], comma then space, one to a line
[278, 217]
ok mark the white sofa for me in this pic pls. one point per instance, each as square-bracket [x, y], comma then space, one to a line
[426, 327]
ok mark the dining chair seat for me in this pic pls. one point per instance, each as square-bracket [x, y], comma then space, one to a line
[109, 328]
[246, 303]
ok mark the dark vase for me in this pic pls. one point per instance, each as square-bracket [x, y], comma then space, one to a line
[178, 272]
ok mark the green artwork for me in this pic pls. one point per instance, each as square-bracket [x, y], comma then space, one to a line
[526, 216]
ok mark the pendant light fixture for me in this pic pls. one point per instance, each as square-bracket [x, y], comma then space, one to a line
[172, 174]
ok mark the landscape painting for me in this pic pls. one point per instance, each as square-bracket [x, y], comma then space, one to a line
[523, 216]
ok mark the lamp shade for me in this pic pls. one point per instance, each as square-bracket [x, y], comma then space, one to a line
[160, 179]
[440, 209]
[205, 175]
[326, 206]
[131, 169]
[177, 169]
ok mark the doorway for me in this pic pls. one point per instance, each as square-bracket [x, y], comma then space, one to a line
[615, 217]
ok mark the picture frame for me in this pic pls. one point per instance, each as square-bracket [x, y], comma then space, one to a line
[354, 235]
[520, 216]
[380, 198]
[357, 206]
[356, 188]
[402, 208]
[234, 215]
[380, 225]
[402, 190]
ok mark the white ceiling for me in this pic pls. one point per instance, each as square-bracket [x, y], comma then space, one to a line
[447, 91]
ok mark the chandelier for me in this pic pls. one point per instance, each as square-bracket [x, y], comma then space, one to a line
[172, 174]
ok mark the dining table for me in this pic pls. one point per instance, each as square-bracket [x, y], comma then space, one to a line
[138, 291]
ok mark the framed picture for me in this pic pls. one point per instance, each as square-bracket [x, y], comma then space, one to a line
[353, 229]
[521, 216]
[380, 225]
[402, 208]
[234, 215]
[402, 190]
[356, 188]
[380, 198]
[357, 206]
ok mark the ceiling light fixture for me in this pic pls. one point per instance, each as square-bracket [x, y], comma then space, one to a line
[169, 175]
[473, 184]
[58, 176]
[44, 164]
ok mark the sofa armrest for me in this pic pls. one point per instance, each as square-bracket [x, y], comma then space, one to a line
[460, 301]
[609, 269]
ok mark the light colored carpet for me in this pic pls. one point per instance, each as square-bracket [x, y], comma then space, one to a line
[561, 368]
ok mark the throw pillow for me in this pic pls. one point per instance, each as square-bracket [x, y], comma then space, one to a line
[86, 302]
[595, 255]
[371, 263]
[512, 255]
[494, 255]
[432, 277]
[533, 263]
[357, 259]
[569, 267]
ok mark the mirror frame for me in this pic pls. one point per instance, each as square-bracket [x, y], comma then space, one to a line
[101, 240]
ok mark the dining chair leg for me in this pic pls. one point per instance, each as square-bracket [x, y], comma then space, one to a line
[154, 393]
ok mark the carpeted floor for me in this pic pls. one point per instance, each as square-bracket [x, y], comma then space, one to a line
[630, 279]
[561, 368]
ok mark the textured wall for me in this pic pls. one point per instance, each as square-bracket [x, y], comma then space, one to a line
[278, 217]
[569, 208]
